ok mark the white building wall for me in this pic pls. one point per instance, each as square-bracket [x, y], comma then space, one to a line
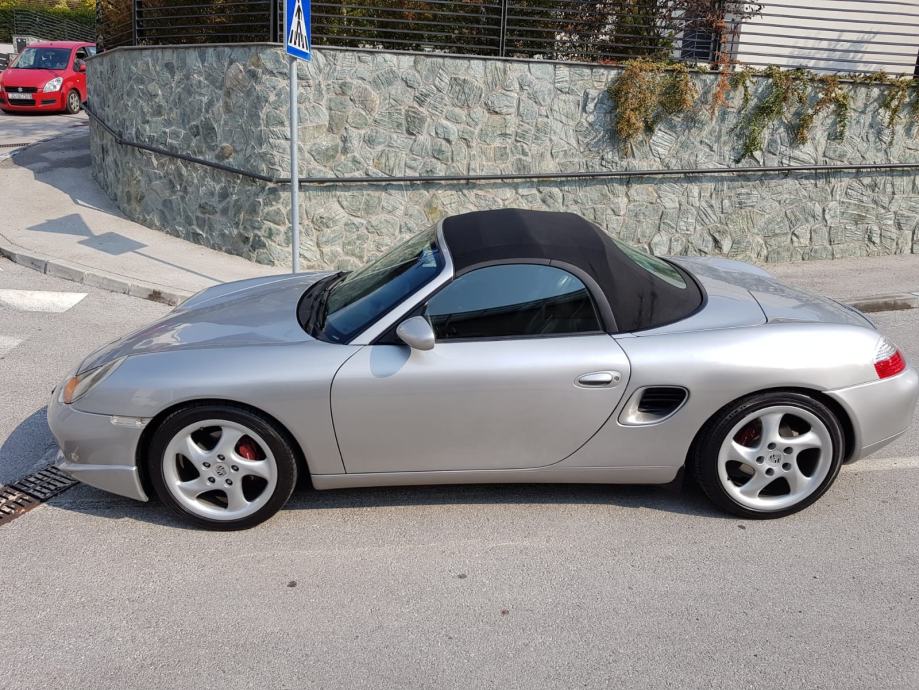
[833, 35]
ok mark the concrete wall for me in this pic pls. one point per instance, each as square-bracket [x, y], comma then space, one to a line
[378, 113]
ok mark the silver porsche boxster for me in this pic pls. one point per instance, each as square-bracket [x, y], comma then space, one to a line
[498, 346]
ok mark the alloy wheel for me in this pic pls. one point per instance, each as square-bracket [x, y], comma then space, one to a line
[219, 470]
[775, 457]
[73, 102]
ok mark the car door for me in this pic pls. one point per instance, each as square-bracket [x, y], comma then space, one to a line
[521, 375]
[79, 78]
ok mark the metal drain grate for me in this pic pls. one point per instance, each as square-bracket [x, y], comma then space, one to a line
[30, 492]
[13, 146]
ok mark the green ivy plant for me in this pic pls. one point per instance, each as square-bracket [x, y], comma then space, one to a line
[895, 98]
[741, 79]
[645, 91]
[830, 94]
[787, 86]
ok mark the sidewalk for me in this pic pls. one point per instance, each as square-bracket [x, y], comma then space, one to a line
[57, 220]
[857, 280]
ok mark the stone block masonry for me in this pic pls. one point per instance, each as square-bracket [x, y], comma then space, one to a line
[381, 113]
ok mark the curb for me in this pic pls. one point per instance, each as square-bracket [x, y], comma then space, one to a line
[896, 302]
[80, 274]
[94, 278]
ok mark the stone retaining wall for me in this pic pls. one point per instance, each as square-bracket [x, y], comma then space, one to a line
[379, 113]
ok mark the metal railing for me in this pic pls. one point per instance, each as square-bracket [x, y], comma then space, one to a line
[47, 19]
[49, 27]
[842, 36]
[475, 178]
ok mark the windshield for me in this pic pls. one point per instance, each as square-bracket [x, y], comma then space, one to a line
[43, 58]
[363, 296]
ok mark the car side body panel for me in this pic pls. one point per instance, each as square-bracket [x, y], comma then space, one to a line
[718, 367]
[880, 410]
[475, 405]
[289, 382]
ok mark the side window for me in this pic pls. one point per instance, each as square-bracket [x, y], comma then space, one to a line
[79, 55]
[513, 300]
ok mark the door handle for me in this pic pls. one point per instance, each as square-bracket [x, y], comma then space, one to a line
[598, 379]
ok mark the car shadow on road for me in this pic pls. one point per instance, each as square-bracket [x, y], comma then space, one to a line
[26, 448]
[677, 497]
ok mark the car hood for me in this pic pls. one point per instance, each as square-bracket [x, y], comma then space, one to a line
[780, 303]
[246, 313]
[13, 77]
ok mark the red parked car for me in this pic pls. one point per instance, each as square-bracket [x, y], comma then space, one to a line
[46, 76]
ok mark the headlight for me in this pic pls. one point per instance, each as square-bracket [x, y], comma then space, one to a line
[80, 384]
[53, 85]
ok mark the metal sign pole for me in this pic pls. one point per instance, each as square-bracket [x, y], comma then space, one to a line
[297, 35]
[294, 171]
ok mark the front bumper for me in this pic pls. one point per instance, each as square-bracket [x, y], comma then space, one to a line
[53, 100]
[880, 410]
[97, 451]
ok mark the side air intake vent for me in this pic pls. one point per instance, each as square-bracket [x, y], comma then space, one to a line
[653, 404]
[661, 401]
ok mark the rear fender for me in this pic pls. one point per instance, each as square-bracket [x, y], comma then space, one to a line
[717, 367]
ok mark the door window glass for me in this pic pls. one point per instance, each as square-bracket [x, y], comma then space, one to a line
[514, 300]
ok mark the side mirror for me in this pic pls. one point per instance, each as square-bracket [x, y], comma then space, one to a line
[80, 66]
[417, 333]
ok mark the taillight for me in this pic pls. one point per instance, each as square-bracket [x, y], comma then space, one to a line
[887, 360]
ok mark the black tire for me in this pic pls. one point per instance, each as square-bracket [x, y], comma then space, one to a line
[73, 104]
[704, 457]
[284, 455]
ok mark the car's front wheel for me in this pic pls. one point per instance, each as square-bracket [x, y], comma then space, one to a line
[73, 104]
[769, 455]
[222, 466]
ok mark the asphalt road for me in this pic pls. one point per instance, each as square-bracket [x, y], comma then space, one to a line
[508, 586]
[38, 348]
[27, 128]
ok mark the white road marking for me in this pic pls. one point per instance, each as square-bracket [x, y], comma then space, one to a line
[870, 464]
[7, 344]
[40, 300]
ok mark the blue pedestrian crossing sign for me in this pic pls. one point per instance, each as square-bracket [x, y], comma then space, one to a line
[297, 30]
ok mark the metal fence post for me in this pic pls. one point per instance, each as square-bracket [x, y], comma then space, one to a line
[134, 22]
[100, 18]
[503, 27]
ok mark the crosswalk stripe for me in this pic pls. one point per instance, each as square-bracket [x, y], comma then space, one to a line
[7, 343]
[40, 300]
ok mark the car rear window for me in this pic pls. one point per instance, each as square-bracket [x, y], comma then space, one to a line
[653, 265]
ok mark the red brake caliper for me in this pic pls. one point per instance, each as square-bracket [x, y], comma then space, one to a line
[247, 449]
[747, 435]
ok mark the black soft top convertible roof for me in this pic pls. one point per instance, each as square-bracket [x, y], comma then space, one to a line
[639, 299]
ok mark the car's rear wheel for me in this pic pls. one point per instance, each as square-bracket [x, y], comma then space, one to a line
[73, 103]
[770, 455]
[221, 466]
